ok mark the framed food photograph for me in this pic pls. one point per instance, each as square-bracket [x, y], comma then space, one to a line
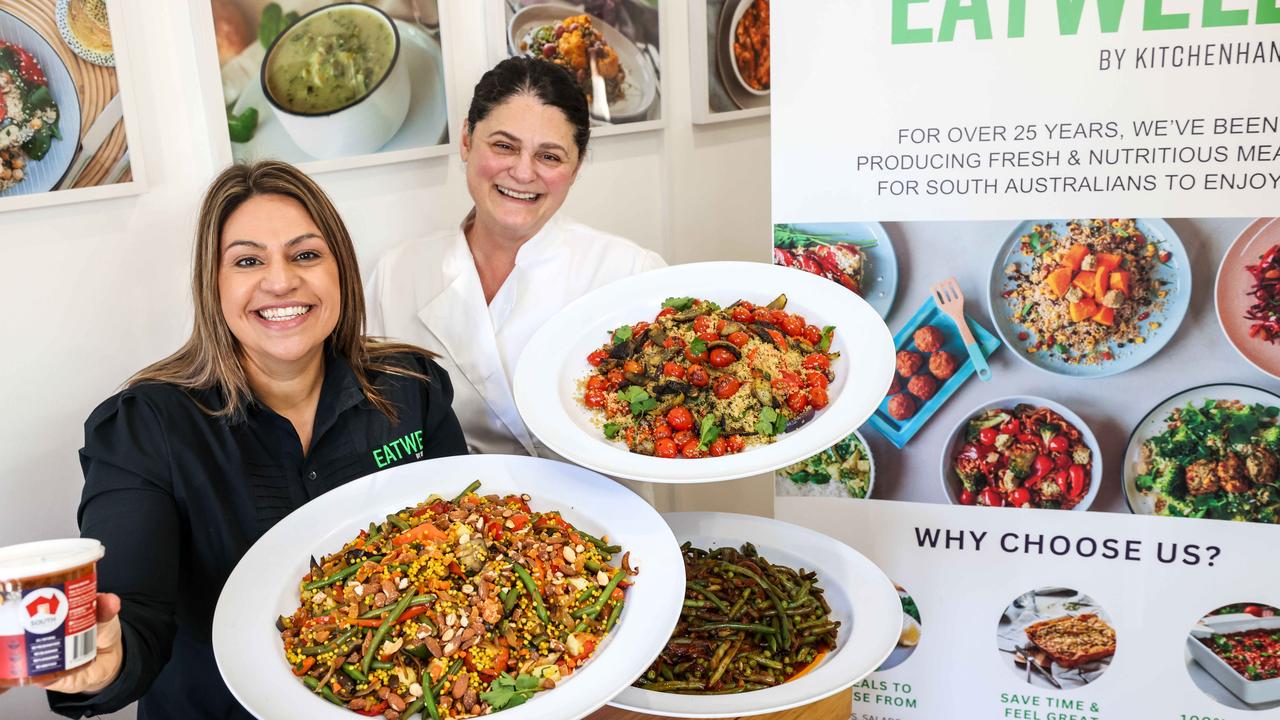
[612, 47]
[326, 85]
[66, 107]
[729, 57]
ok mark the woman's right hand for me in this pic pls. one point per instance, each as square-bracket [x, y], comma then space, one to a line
[104, 668]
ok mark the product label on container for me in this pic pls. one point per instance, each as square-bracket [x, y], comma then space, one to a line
[48, 629]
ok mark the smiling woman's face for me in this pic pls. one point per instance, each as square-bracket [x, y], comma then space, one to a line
[278, 282]
[521, 161]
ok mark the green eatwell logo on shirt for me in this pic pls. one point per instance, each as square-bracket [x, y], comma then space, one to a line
[398, 449]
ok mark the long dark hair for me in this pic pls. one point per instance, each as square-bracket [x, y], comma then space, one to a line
[549, 83]
[210, 358]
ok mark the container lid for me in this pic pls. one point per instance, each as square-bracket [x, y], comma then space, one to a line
[47, 557]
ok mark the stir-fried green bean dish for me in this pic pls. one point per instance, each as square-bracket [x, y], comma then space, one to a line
[747, 624]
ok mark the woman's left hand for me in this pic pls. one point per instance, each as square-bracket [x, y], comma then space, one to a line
[104, 668]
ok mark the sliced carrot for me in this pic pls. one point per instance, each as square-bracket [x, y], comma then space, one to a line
[426, 532]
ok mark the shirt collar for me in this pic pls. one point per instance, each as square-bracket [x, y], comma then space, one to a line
[339, 392]
[544, 244]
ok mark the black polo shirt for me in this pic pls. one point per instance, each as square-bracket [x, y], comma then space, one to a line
[177, 497]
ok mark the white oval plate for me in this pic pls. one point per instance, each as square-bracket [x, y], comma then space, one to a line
[861, 597]
[1156, 422]
[264, 584]
[550, 366]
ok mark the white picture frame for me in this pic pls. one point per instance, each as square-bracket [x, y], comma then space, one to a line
[701, 73]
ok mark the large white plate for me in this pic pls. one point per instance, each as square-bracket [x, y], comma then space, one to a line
[861, 597]
[424, 125]
[553, 362]
[1156, 422]
[640, 87]
[264, 584]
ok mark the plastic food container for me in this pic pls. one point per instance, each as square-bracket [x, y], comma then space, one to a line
[48, 609]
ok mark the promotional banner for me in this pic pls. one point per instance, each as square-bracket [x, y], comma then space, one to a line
[1064, 212]
[927, 109]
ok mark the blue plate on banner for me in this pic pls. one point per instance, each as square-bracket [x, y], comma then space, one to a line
[880, 278]
[900, 431]
[45, 174]
[1175, 274]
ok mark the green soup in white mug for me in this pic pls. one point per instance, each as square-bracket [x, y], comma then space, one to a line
[330, 60]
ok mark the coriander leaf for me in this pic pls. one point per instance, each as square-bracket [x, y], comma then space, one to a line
[611, 430]
[710, 430]
[622, 334]
[825, 343]
[679, 304]
[698, 346]
[767, 419]
[525, 681]
[779, 424]
[498, 697]
[711, 305]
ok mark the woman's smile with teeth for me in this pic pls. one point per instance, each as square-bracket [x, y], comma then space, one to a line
[516, 194]
[280, 314]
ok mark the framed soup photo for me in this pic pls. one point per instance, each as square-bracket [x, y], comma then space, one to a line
[66, 108]
[329, 85]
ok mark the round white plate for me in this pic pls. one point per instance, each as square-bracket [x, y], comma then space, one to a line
[1156, 422]
[951, 484]
[264, 585]
[640, 87]
[553, 362]
[861, 597]
[424, 126]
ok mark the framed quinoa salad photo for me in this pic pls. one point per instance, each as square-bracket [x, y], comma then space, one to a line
[324, 84]
[66, 112]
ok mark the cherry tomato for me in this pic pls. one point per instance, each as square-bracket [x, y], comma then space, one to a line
[702, 324]
[673, 341]
[691, 450]
[1043, 464]
[818, 397]
[665, 312]
[693, 357]
[793, 326]
[615, 378]
[777, 339]
[1020, 497]
[991, 497]
[1076, 475]
[783, 386]
[739, 338]
[697, 376]
[597, 357]
[1063, 482]
[661, 430]
[736, 443]
[1059, 443]
[679, 418]
[682, 437]
[633, 367]
[718, 447]
[761, 314]
[720, 358]
[966, 497]
[797, 402]
[812, 334]
[710, 336]
[1029, 438]
[726, 387]
[777, 316]
[1253, 610]
[987, 436]
[597, 382]
[740, 314]
[665, 448]
[1062, 461]
[816, 361]
[1011, 427]
[639, 328]
[815, 379]
[675, 370]
[593, 399]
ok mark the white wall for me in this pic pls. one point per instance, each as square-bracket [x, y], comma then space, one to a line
[92, 292]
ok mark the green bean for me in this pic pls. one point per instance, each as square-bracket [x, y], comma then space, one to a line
[429, 696]
[385, 665]
[398, 522]
[354, 673]
[342, 574]
[536, 596]
[673, 685]
[762, 660]
[475, 485]
[591, 539]
[608, 590]
[453, 669]
[329, 646]
[710, 596]
[613, 616]
[425, 599]
[513, 596]
[593, 566]
[375, 532]
[383, 629]
[328, 694]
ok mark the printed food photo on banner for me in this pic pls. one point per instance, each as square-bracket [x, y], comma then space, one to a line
[61, 117]
[1056, 637]
[307, 80]
[909, 638]
[845, 470]
[1233, 656]
[611, 47]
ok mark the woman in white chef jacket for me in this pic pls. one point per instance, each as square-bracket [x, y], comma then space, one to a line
[476, 293]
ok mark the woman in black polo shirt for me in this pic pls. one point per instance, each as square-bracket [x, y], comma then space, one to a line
[277, 397]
